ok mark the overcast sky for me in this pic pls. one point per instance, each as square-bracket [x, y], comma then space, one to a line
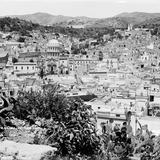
[90, 8]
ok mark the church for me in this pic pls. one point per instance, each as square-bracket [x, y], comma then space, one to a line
[56, 58]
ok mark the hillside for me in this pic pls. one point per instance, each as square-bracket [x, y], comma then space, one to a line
[25, 28]
[114, 22]
[64, 21]
[150, 23]
[8, 24]
[49, 19]
[137, 17]
[118, 21]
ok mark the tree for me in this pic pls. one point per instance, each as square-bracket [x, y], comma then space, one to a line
[100, 55]
[14, 60]
[21, 39]
[31, 60]
[41, 73]
[75, 132]
[9, 37]
[70, 124]
[6, 114]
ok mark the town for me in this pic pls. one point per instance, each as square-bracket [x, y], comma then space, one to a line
[116, 75]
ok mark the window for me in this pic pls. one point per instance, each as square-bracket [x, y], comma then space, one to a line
[11, 93]
[32, 67]
[21, 67]
[16, 68]
[151, 98]
[117, 115]
[27, 67]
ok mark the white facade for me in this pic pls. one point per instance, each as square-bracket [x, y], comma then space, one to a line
[25, 67]
[54, 46]
[145, 57]
[111, 63]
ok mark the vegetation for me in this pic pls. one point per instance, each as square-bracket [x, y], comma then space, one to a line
[8, 24]
[6, 114]
[21, 39]
[14, 60]
[70, 125]
[76, 133]
[82, 33]
[23, 27]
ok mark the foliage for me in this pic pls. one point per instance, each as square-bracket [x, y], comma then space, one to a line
[14, 60]
[31, 60]
[31, 104]
[149, 149]
[5, 114]
[24, 28]
[21, 39]
[82, 33]
[15, 24]
[76, 132]
[100, 55]
[41, 73]
[117, 145]
[70, 125]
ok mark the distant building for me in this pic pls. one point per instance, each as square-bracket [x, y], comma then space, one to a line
[3, 58]
[54, 48]
[84, 65]
[25, 68]
[29, 57]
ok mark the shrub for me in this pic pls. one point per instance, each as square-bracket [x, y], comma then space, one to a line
[76, 132]
[71, 125]
[5, 115]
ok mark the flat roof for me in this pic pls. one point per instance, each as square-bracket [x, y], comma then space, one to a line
[21, 63]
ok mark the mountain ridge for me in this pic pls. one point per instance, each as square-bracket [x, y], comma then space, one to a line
[118, 21]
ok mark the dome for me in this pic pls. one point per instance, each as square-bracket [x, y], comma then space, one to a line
[3, 53]
[54, 43]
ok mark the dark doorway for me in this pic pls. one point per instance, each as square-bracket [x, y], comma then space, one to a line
[151, 98]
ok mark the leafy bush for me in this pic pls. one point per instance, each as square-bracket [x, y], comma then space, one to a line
[21, 39]
[71, 125]
[76, 132]
[5, 114]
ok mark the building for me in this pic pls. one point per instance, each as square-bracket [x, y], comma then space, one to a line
[56, 58]
[84, 65]
[29, 57]
[3, 58]
[25, 68]
[54, 49]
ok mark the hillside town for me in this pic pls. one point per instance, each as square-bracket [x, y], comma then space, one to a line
[116, 77]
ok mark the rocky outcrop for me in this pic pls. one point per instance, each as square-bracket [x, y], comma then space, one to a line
[10, 150]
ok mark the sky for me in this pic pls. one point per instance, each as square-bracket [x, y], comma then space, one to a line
[89, 8]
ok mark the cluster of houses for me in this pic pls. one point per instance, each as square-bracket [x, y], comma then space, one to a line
[124, 77]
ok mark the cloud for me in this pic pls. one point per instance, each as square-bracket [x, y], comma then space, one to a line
[122, 1]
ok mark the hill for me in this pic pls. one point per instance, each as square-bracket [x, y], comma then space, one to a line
[150, 23]
[119, 21]
[137, 17]
[49, 19]
[25, 28]
[64, 21]
[8, 24]
[113, 22]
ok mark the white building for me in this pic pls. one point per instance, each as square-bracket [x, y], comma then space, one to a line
[25, 68]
